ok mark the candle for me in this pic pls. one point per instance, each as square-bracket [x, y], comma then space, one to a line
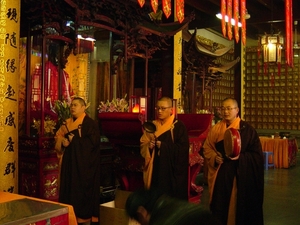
[136, 108]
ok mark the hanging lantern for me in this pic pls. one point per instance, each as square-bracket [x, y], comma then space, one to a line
[271, 47]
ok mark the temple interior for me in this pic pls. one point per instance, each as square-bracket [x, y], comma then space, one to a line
[121, 57]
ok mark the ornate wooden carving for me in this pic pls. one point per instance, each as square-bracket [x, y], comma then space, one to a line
[201, 71]
[141, 35]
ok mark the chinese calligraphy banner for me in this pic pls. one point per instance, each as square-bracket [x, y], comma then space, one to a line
[9, 87]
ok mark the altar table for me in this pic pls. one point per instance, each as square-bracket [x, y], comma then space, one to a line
[285, 151]
[6, 197]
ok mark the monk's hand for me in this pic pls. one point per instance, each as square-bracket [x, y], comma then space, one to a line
[158, 144]
[219, 159]
[65, 142]
[151, 144]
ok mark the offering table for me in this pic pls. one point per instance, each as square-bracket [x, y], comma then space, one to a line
[284, 150]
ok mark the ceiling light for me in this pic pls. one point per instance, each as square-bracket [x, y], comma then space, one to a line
[219, 15]
[79, 36]
[247, 15]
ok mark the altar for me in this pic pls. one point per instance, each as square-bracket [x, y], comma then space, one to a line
[124, 131]
[285, 150]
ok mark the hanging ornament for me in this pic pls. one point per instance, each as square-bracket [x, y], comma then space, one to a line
[154, 5]
[236, 19]
[167, 7]
[223, 13]
[279, 59]
[289, 32]
[180, 10]
[272, 81]
[229, 15]
[243, 21]
[141, 3]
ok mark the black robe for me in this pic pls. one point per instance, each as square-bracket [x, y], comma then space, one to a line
[249, 171]
[171, 161]
[80, 175]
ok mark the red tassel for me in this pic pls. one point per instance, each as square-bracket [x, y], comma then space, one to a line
[266, 67]
[272, 80]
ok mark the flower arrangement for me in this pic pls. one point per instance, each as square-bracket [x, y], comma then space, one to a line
[115, 105]
[62, 109]
[49, 126]
[216, 111]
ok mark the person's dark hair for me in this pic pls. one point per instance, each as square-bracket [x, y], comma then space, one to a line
[82, 102]
[141, 197]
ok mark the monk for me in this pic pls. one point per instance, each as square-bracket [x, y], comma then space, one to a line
[166, 153]
[78, 149]
[236, 186]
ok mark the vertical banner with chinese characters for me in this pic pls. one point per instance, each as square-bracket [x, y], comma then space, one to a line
[9, 86]
[177, 59]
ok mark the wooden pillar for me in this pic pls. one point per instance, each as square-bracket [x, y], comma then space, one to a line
[9, 89]
[238, 74]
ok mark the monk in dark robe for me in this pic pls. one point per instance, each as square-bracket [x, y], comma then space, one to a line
[78, 149]
[236, 186]
[166, 153]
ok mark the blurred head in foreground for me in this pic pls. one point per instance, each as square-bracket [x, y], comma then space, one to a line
[150, 207]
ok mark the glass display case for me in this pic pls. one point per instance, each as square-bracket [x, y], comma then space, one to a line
[45, 82]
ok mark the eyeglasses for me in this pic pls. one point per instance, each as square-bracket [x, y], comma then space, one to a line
[227, 108]
[161, 108]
